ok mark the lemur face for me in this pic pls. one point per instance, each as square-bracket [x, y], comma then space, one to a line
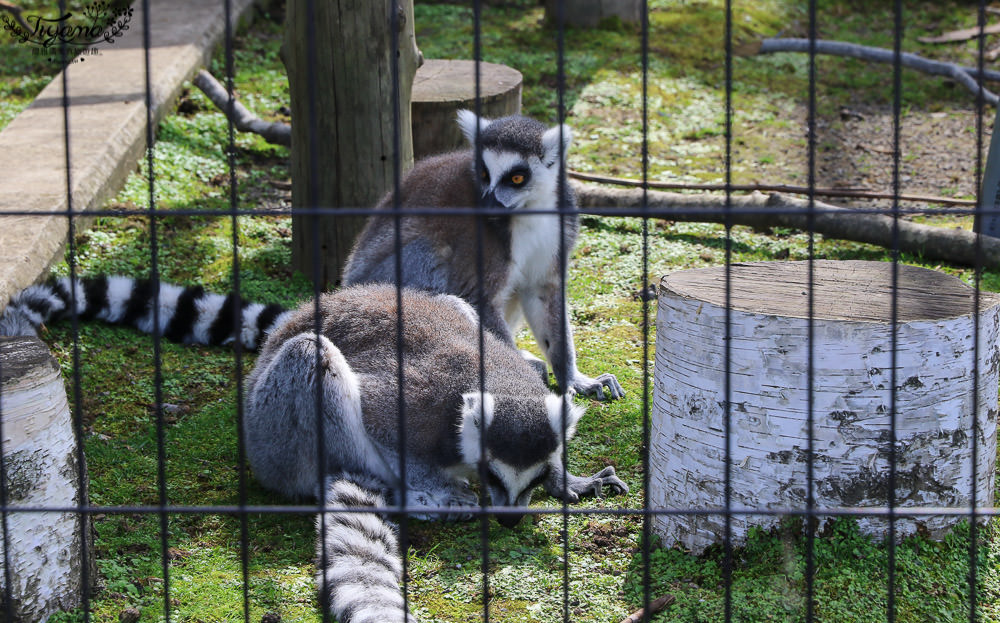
[524, 436]
[516, 164]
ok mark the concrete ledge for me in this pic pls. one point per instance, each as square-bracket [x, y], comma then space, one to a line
[107, 130]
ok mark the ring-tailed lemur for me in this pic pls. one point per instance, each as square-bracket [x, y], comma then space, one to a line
[523, 274]
[449, 420]
[514, 418]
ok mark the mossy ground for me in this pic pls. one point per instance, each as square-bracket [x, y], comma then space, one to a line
[604, 558]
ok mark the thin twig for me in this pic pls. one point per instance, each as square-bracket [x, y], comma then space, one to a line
[654, 606]
[880, 55]
[275, 132]
[962, 35]
[782, 188]
[15, 10]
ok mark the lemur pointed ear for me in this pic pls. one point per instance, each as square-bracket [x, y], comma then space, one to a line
[550, 143]
[468, 121]
[554, 405]
[477, 413]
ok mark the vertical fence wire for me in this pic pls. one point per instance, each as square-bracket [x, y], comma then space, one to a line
[397, 165]
[83, 516]
[646, 411]
[561, 208]
[154, 280]
[727, 556]
[313, 219]
[237, 312]
[977, 282]
[480, 233]
[810, 522]
[897, 98]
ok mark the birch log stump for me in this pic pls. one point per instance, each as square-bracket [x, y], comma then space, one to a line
[852, 391]
[441, 88]
[41, 470]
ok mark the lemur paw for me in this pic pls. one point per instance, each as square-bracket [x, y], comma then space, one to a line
[604, 387]
[588, 486]
[459, 499]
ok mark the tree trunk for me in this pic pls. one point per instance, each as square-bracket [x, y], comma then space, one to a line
[41, 470]
[443, 87]
[853, 392]
[340, 67]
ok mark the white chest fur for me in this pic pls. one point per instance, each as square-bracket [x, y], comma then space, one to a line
[534, 245]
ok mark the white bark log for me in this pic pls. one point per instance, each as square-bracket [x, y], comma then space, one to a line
[40, 464]
[851, 393]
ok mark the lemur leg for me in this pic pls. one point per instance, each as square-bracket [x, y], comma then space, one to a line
[281, 425]
[545, 308]
[565, 486]
[514, 317]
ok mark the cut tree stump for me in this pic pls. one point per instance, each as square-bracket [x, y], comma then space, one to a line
[442, 88]
[852, 395]
[41, 470]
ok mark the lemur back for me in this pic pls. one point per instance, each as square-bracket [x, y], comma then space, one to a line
[512, 256]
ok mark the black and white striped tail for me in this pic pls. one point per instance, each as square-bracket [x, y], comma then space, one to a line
[186, 314]
[358, 552]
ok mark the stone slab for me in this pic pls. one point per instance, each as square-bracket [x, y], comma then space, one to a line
[107, 130]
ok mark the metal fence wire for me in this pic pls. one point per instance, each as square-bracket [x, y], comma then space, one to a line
[402, 506]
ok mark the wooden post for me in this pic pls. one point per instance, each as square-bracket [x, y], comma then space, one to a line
[442, 88]
[340, 77]
[852, 395]
[41, 470]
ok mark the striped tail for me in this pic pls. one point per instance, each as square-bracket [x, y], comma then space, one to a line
[188, 315]
[360, 568]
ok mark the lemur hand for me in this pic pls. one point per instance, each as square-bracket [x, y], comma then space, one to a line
[604, 387]
[583, 486]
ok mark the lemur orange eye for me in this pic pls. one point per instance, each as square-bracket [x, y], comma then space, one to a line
[517, 179]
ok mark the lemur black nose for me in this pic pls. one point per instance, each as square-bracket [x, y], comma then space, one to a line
[509, 521]
[491, 202]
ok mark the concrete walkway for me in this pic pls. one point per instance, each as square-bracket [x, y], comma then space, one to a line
[107, 130]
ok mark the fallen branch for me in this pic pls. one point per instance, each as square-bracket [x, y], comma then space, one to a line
[781, 188]
[273, 132]
[756, 210]
[761, 211]
[654, 606]
[959, 74]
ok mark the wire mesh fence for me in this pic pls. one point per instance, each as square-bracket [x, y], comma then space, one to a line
[408, 393]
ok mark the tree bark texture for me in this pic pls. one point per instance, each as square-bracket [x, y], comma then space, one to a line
[959, 246]
[340, 65]
[853, 392]
[41, 470]
[443, 87]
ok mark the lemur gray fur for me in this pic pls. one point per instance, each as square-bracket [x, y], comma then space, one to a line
[523, 275]
[512, 422]
[447, 418]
